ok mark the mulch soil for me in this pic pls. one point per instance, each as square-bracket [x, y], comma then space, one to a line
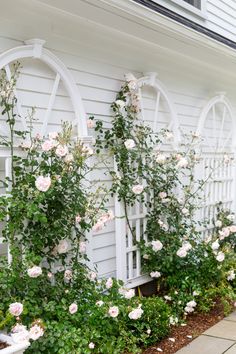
[3, 345]
[196, 324]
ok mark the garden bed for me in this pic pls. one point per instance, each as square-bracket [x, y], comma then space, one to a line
[183, 335]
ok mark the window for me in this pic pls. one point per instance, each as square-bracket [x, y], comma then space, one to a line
[195, 3]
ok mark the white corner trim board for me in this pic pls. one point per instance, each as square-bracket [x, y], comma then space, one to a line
[34, 49]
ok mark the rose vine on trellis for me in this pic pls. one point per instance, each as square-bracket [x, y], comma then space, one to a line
[165, 184]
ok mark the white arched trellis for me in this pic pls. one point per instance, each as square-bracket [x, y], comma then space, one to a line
[33, 49]
[161, 94]
[127, 252]
[217, 128]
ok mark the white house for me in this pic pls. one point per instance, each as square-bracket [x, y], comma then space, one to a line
[183, 51]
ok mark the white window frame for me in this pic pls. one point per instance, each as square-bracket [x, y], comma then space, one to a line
[183, 8]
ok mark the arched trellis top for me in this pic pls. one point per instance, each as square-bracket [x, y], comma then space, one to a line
[33, 48]
[150, 79]
[224, 117]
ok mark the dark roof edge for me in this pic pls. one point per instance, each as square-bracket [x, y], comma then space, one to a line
[185, 21]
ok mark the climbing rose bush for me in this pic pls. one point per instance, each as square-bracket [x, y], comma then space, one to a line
[172, 247]
[48, 294]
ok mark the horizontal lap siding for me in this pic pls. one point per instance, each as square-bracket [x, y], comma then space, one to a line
[98, 84]
[221, 17]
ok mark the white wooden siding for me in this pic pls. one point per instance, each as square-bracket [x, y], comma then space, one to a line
[99, 74]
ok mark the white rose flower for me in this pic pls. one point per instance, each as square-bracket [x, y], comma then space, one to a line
[99, 303]
[220, 257]
[47, 145]
[218, 223]
[167, 298]
[36, 332]
[120, 104]
[155, 274]
[16, 309]
[187, 246]
[92, 275]
[113, 311]
[156, 245]
[91, 345]
[109, 283]
[182, 162]
[161, 159]
[137, 189]
[191, 303]
[68, 274]
[43, 183]
[73, 308]
[129, 144]
[69, 158]
[129, 294]
[215, 245]
[62, 247]
[232, 228]
[61, 150]
[135, 314]
[230, 217]
[182, 252]
[185, 211]
[34, 272]
[231, 275]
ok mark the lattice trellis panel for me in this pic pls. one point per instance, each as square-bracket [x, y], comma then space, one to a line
[217, 129]
[157, 111]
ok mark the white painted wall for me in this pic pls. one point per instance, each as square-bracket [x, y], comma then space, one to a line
[98, 56]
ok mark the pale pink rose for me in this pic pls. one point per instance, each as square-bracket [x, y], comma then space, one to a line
[78, 219]
[61, 150]
[16, 309]
[161, 159]
[91, 345]
[34, 272]
[156, 245]
[182, 252]
[129, 144]
[215, 245]
[90, 123]
[135, 314]
[113, 311]
[162, 195]
[68, 274]
[36, 332]
[155, 274]
[98, 226]
[69, 158]
[225, 232]
[62, 247]
[137, 189]
[182, 162]
[109, 283]
[43, 183]
[26, 145]
[99, 303]
[220, 257]
[53, 135]
[47, 145]
[92, 275]
[232, 228]
[82, 247]
[129, 294]
[18, 328]
[73, 308]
